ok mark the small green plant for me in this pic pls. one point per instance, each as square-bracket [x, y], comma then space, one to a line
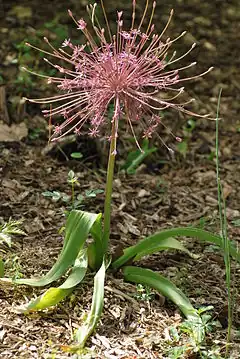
[14, 267]
[135, 158]
[35, 133]
[211, 156]
[73, 200]
[73, 181]
[144, 293]
[187, 133]
[9, 229]
[57, 195]
[236, 222]
[185, 340]
[207, 222]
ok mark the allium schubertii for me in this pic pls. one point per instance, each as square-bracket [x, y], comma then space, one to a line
[131, 70]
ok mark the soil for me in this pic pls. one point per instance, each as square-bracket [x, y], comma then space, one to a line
[166, 191]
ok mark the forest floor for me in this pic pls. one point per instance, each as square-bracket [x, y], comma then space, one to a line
[166, 191]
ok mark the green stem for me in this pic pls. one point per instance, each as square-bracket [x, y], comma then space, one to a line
[73, 195]
[109, 184]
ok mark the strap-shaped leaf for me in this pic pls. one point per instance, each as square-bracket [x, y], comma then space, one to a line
[162, 285]
[96, 229]
[135, 158]
[95, 249]
[54, 295]
[78, 227]
[169, 290]
[88, 327]
[157, 239]
[166, 243]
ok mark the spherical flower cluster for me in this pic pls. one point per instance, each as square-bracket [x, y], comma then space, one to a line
[130, 70]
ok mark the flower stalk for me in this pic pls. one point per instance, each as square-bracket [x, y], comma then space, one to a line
[110, 174]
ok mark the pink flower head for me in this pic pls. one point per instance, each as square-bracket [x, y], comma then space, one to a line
[129, 70]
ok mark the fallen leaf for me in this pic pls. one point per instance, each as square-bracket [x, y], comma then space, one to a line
[13, 133]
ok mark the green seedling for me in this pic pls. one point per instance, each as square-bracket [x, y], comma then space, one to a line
[186, 342]
[35, 133]
[187, 133]
[73, 200]
[14, 267]
[9, 229]
[135, 158]
[236, 222]
[144, 293]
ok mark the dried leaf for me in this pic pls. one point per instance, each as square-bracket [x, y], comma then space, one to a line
[13, 133]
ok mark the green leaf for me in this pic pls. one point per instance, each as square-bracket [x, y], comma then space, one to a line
[162, 285]
[8, 229]
[96, 229]
[155, 240]
[164, 244]
[191, 124]
[1, 268]
[183, 148]
[48, 299]
[88, 327]
[76, 155]
[55, 195]
[93, 192]
[78, 227]
[47, 194]
[135, 158]
[71, 175]
[95, 249]
[72, 179]
[80, 198]
[54, 295]
[236, 222]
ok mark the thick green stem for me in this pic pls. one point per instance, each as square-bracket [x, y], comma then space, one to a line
[109, 184]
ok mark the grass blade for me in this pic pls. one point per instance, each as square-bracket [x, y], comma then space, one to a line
[223, 224]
